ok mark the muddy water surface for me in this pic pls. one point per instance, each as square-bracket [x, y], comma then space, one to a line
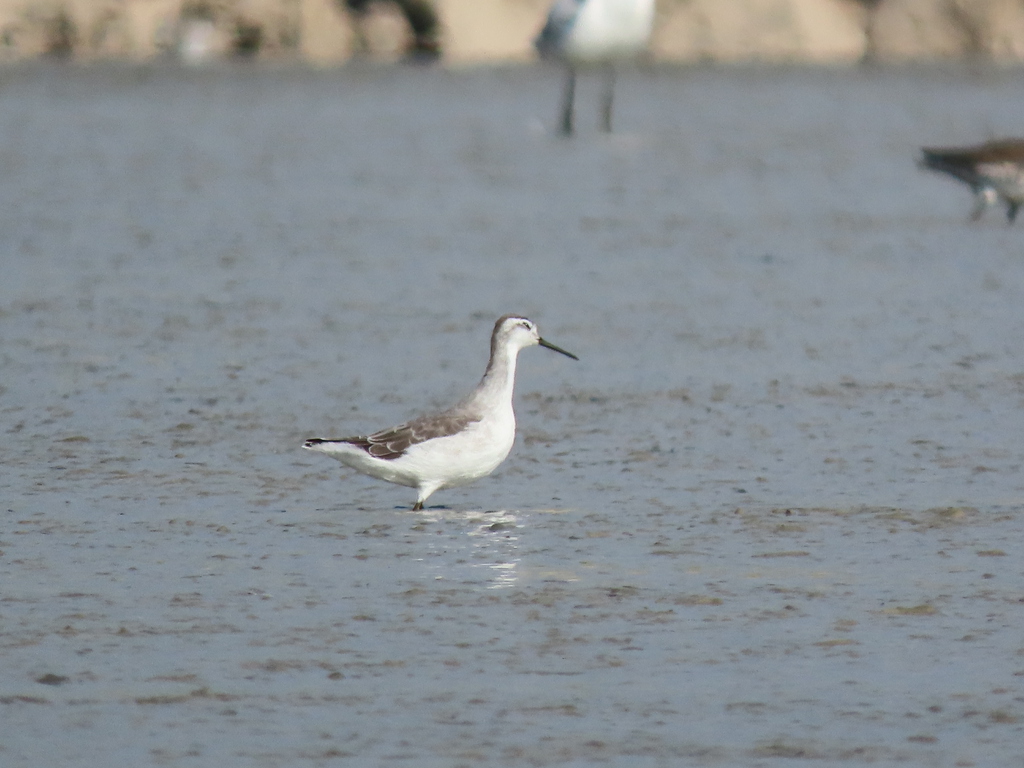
[775, 513]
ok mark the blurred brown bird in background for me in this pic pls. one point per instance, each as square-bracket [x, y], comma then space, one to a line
[994, 171]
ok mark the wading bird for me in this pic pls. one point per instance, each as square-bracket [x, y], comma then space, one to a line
[594, 32]
[994, 171]
[454, 447]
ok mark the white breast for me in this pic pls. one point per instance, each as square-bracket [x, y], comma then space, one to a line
[466, 456]
[1006, 177]
[610, 29]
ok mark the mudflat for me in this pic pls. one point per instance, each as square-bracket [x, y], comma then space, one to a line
[774, 513]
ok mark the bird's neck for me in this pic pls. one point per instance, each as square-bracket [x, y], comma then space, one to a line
[499, 379]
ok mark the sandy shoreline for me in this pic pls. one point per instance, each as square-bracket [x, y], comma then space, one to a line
[480, 31]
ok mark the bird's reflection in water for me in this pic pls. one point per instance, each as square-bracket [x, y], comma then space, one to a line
[481, 548]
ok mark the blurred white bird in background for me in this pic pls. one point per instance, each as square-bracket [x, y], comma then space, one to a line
[594, 32]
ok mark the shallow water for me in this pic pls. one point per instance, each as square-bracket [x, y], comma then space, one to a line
[773, 514]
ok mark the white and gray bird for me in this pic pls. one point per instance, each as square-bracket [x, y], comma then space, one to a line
[454, 447]
[594, 32]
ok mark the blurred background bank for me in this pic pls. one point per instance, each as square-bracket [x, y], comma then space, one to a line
[466, 32]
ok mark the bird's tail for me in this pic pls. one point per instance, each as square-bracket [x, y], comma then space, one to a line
[951, 162]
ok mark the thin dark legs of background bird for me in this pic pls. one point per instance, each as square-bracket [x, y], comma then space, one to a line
[606, 99]
[568, 98]
[986, 197]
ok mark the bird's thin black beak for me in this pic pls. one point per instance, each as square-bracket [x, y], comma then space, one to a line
[549, 345]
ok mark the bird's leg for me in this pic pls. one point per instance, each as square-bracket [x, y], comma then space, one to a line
[1012, 206]
[983, 198]
[568, 97]
[606, 99]
[417, 506]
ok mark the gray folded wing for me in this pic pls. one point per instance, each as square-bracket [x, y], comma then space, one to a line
[392, 443]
